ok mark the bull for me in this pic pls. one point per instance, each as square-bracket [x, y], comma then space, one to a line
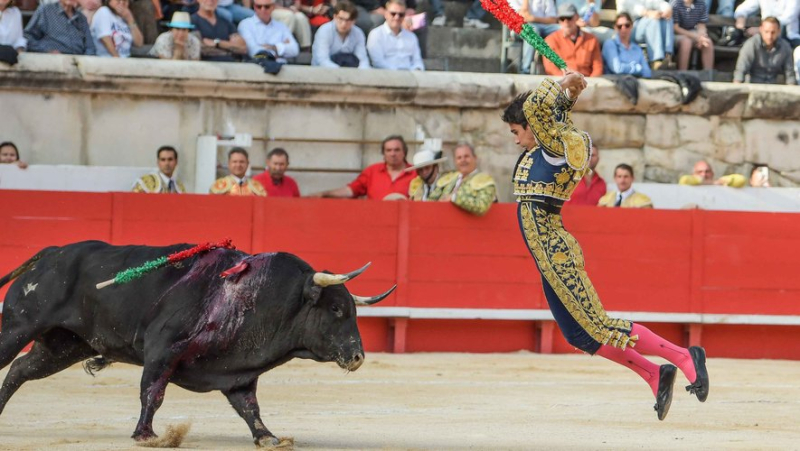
[184, 323]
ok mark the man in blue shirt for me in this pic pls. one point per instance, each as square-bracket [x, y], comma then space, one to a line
[338, 43]
[262, 34]
[621, 55]
[59, 28]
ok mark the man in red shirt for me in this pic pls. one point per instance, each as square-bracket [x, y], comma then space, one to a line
[274, 179]
[388, 180]
[592, 187]
[580, 50]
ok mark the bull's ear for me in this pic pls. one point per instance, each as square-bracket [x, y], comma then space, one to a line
[311, 291]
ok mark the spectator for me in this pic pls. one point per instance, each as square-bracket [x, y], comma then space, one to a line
[391, 46]
[541, 14]
[785, 12]
[59, 28]
[472, 19]
[426, 165]
[703, 174]
[338, 43]
[274, 179]
[765, 56]
[177, 43]
[163, 181]
[759, 177]
[620, 56]
[114, 30]
[237, 183]
[467, 188]
[591, 187]
[625, 196]
[690, 18]
[9, 154]
[380, 180]
[220, 41]
[168, 7]
[262, 34]
[319, 12]
[234, 12]
[653, 26]
[288, 12]
[581, 51]
[11, 26]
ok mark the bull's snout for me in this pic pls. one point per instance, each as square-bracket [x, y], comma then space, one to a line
[355, 363]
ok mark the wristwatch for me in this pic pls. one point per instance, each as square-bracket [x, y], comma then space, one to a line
[216, 43]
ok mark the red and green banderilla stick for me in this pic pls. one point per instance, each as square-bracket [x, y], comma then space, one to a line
[506, 14]
[139, 271]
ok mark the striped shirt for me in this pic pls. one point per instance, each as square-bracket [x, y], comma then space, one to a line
[51, 30]
[688, 16]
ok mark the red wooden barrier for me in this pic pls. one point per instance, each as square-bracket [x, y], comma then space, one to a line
[645, 261]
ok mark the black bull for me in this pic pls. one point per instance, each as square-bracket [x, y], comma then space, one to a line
[183, 323]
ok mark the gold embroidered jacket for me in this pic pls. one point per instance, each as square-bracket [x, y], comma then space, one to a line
[230, 186]
[152, 183]
[416, 191]
[732, 180]
[476, 193]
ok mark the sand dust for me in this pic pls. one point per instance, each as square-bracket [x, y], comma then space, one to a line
[517, 401]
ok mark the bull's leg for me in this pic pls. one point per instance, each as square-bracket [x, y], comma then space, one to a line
[13, 339]
[56, 350]
[155, 378]
[244, 401]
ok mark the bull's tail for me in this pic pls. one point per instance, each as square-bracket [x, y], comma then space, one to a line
[96, 364]
[23, 268]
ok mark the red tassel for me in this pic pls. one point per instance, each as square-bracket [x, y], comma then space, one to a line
[200, 248]
[504, 13]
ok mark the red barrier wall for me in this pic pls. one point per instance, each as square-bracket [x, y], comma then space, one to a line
[639, 260]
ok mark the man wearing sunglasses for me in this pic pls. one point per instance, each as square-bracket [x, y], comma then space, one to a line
[390, 46]
[263, 34]
[620, 55]
[580, 50]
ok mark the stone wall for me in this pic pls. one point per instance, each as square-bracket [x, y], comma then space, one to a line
[93, 111]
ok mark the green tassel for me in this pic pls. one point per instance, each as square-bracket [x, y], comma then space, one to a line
[134, 273]
[530, 36]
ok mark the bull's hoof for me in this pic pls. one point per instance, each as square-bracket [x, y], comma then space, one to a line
[144, 436]
[272, 442]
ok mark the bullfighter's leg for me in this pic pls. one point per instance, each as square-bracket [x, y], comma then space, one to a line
[155, 378]
[54, 351]
[244, 401]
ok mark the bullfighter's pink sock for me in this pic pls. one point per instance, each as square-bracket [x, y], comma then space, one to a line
[650, 343]
[635, 361]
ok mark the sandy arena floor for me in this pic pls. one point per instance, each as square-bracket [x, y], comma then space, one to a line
[427, 401]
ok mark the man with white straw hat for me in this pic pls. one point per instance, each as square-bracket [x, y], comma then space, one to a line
[177, 43]
[426, 163]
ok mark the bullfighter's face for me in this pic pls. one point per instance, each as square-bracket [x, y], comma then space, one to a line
[523, 136]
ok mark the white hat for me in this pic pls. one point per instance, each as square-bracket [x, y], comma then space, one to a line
[425, 158]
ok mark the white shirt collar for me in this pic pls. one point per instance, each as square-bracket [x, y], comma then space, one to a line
[627, 193]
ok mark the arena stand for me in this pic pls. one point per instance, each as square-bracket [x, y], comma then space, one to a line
[467, 284]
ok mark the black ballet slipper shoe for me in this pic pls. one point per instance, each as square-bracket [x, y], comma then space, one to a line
[701, 384]
[666, 381]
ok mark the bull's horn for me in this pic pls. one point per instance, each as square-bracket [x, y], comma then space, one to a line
[324, 280]
[360, 300]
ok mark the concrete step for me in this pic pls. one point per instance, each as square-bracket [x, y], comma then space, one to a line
[463, 43]
[462, 64]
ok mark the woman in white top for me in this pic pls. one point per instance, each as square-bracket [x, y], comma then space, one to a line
[114, 30]
[11, 26]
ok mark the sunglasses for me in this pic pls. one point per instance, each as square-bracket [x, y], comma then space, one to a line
[565, 19]
[394, 14]
[270, 6]
[622, 25]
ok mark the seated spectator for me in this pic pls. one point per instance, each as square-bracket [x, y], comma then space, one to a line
[591, 187]
[786, 13]
[262, 34]
[163, 181]
[765, 56]
[620, 55]
[11, 26]
[581, 51]
[219, 38]
[177, 43]
[625, 196]
[274, 179]
[319, 12]
[338, 43]
[9, 154]
[59, 28]
[288, 12]
[391, 46]
[541, 15]
[237, 183]
[467, 188]
[690, 18]
[472, 19]
[114, 30]
[426, 165]
[652, 26]
[380, 180]
[234, 12]
[703, 174]
[759, 177]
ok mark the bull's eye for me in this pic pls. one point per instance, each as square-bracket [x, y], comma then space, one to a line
[335, 309]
